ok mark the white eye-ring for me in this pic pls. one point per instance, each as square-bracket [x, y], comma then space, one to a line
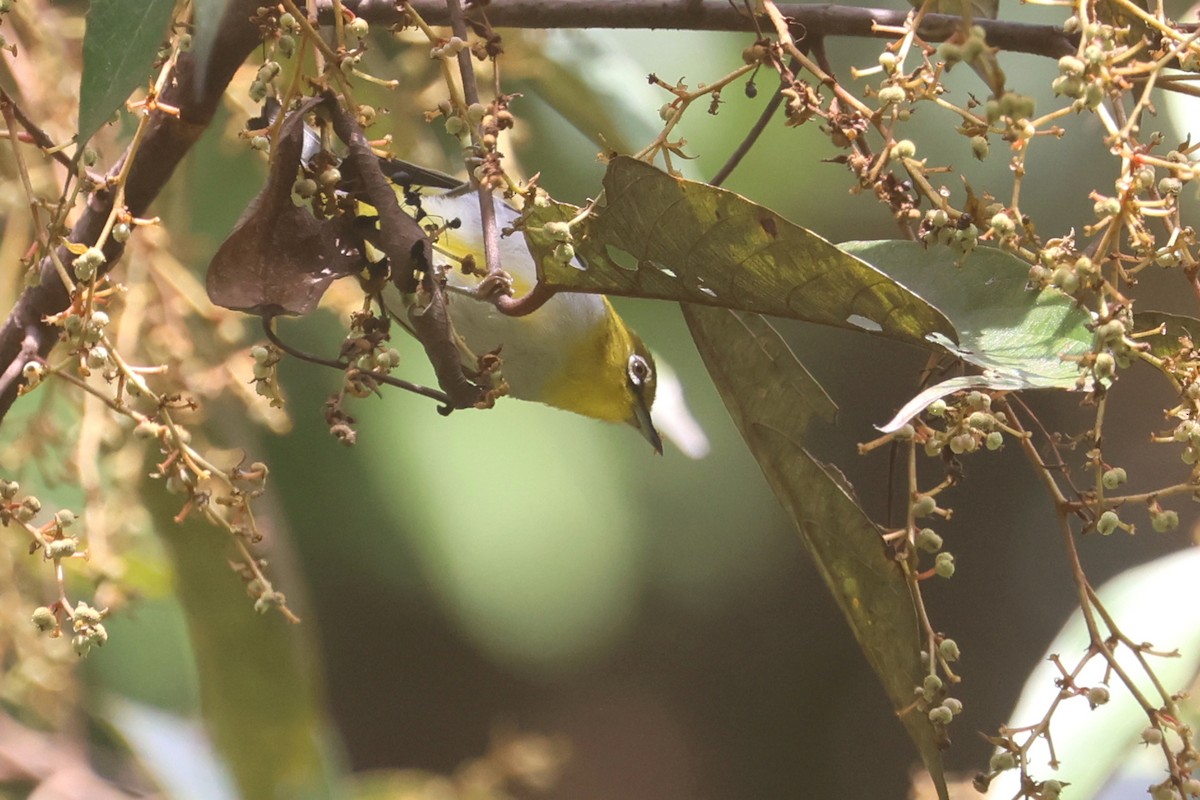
[639, 370]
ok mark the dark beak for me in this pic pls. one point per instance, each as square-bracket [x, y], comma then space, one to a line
[641, 420]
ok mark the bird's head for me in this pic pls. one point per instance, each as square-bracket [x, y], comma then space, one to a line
[609, 375]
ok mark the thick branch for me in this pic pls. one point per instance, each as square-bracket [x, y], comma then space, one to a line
[165, 144]
[721, 15]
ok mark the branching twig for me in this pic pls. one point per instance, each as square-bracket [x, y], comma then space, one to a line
[163, 147]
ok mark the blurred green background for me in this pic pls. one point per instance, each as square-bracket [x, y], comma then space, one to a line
[531, 570]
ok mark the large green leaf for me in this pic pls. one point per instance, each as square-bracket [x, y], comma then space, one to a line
[258, 686]
[773, 401]
[122, 39]
[1020, 338]
[700, 244]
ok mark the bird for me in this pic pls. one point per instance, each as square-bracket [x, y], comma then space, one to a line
[574, 352]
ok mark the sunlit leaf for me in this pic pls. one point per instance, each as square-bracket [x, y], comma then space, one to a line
[1019, 337]
[122, 39]
[773, 401]
[1153, 603]
[173, 749]
[693, 242]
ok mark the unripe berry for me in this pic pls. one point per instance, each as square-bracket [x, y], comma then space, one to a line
[1070, 65]
[891, 95]
[43, 619]
[940, 715]
[1004, 760]
[948, 649]
[1107, 523]
[979, 147]
[905, 148]
[943, 565]
[1113, 478]
[924, 505]
[928, 540]
[1152, 736]
[1097, 695]
[63, 548]
[1165, 521]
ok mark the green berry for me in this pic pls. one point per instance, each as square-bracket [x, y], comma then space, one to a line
[63, 548]
[948, 649]
[905, 148]
[940, 715]
[924, 505]
[1112, 478]
[954, 704]
[44, 619]
[82, 644]
[943, 565]
[1002, 761]
[928, 540]
[891, 95]
[1108, 522]
[359, 27]
[1165, 521]
[1003, 224]
[1070, 65]
[931, 685]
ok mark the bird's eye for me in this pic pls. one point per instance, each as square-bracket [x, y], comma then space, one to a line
[639, 370]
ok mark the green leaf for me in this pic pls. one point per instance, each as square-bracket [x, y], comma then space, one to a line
[700, 244]
[257, 679]
[1019, 337]
[122, 39]
[207, 15]
[773, 401]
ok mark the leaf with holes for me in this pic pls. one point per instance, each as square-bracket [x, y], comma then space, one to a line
[774, 402]
[122, 39]
[696, 243]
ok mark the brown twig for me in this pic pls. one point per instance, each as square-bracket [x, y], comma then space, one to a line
[165, 144]
[720, 15]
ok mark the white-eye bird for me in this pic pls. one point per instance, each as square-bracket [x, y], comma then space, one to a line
[574, 352]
